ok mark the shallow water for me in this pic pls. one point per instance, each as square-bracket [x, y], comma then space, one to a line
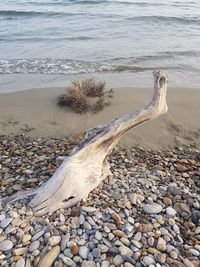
[62, 37]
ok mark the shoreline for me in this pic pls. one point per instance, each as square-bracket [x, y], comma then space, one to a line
[19, 82]
[36, 113]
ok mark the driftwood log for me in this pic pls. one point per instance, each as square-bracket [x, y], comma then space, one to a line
[87, 165]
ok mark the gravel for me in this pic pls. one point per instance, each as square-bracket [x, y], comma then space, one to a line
[147, 214]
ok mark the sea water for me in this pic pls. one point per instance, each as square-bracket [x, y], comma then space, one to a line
[64, 37]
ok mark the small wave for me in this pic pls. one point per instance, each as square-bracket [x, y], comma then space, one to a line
[185, 53]
[64, 66]
[129, 68]
[153, 58]
[29, 13]
[48, 38]
[136, 69]
[169, 19]
[100, 2]
[49, 66]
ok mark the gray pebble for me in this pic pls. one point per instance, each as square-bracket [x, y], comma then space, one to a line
[88, 209]
[83, 252]
[67, 260]
[4, 223]
[98, 235]
[152, 208]
[6, 245]
[118, 260]
[170, 211]
[20, 263]
[38, 235]
[148, 260]
[96, 253]
[65, 239]
[34, 245]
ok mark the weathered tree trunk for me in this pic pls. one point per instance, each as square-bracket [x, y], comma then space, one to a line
[86, 166]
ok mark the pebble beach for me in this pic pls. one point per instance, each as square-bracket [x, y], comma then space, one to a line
[146, 214]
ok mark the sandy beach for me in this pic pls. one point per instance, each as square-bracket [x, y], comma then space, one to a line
[36, 113]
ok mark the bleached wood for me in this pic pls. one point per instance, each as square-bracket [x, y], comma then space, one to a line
[86, 166]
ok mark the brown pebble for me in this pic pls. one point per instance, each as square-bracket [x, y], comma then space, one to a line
[168, 195]
[74, 249]
[181, 168]
[167, 201]
[153, 250]
[16, 258]
[184, 207]
[148, 228]
[157, 235]
[117, 218]
[139, 229]
[119, 233]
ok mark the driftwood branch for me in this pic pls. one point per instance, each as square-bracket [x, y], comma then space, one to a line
[87, 166]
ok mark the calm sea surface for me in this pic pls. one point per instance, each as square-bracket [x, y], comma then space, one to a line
[85, 36]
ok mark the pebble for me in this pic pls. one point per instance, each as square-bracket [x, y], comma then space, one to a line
[124, 250]
[65, 239]
[152, 208]
[20, 251]
[161, 245]
[105, 264]
[136, 243]
[187, 263]
[88, 209]
[34, 245]
[38, 235]
[4, 223]
[96, 253]
[173, 254]
[119, 233]
[167, 201]
[75, 222]
[131, 220]
[138, 236]
[83, 252]
[26, 238]
[161, 258]
[151, 241]
[54, 240]
[148, 260]
[20, 263]
[6, 245]
[50, 257]
[98, 235]
[74, 249]
[194, 252]
[81, 219]
[127, 264]
[67, 261]
[173, 190]
[170, 211]
[118, 260]
[184, 207]
[106, 229]
[89, 264]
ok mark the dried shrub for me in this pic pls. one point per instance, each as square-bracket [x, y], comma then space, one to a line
[63, 100]
[90, 87]
[99, 104]
[79, 93]
[77, 99]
